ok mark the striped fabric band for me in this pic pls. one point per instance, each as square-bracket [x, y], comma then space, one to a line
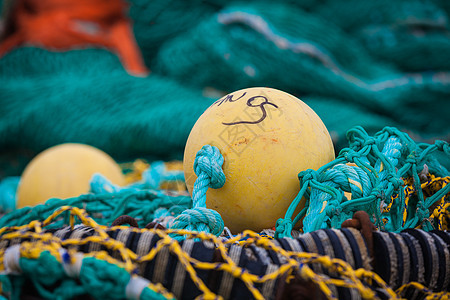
[413, 255]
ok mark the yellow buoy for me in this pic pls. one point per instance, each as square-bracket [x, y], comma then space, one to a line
[266, 137]
[64, 171]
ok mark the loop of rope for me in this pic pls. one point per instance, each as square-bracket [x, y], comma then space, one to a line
[283, 226]
[443, 146]
[350, 155]
[199, 219]
[209, 160]
[208, 167]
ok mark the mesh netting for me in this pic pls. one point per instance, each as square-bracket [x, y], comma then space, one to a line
[144, 264]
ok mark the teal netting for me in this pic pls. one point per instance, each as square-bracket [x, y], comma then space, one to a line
[376, 64]
[381, 175]
[143, 205]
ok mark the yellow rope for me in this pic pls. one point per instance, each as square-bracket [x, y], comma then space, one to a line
[429, 294]
[128, 260]
[434, 184]
[136, 169]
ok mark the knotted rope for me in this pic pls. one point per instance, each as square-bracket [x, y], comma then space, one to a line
[208, 167]
[373, 170]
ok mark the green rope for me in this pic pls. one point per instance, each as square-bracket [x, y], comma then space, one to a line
[373, 64]
[8, 188]
[104, 208]
[208, 167]
[96, 277]
[321, 59]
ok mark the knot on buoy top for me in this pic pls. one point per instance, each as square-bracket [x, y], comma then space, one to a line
[209, 161]
[208, 167]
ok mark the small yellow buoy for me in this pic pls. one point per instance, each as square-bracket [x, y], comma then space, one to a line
[64, 171]
[266, 137]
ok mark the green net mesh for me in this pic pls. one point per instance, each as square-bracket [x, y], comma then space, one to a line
[368, 64]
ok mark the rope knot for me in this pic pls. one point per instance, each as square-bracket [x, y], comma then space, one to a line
[331, 210]
[351, 154]
[443, 145]
[370, 141]
[199, 219]
[307, 175]
[209, 161]
[208, 167]
[376, 194]
[422, 212]
[283, 227]
[396, 182]
[412, 158]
